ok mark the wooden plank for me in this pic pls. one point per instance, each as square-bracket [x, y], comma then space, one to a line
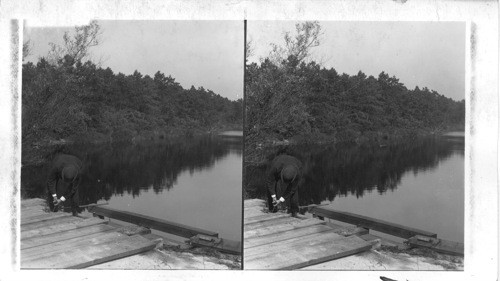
[318, 238]
[285, 235]
[253, 203]
[35, 207]
[94, 254]
[371, 223]
[61, 227]
[32, 202]
[44, 217]
[150, 222]
[47, 223]
[438, 245]
[254, 213]
[33, 213]
[272, 222]
[265, 217]
[305, 253]
[254, 209]
[280, 228]
[49, 250]
[64, 235]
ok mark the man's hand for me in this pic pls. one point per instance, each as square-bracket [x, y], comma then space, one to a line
[275, 202]
[58, 203]
[54, 199]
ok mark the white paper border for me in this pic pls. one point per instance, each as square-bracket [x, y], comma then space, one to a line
[481, 152]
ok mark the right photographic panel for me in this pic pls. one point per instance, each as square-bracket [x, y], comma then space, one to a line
[354, 145]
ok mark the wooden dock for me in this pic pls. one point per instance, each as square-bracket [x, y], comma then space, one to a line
[279, 241]
[60, 240]
[415, 237]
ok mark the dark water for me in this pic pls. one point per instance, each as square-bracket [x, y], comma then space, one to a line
[195, 181]
[417, 183]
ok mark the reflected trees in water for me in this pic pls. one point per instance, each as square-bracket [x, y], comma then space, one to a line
[115, 169]
[330, 171]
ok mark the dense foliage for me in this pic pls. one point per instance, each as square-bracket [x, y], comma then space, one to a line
[82, 101]
[304, 101]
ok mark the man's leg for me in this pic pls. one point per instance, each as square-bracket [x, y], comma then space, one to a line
[294, 203]
[75, 202]
[270, 200]
[50, 201]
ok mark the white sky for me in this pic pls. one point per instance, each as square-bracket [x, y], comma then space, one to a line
[424, 54]
[199, 53]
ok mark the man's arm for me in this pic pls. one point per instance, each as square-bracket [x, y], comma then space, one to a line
[72, 190]
[271, 181]
[51, 181]
[290, 189]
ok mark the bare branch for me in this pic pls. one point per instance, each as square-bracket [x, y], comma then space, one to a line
[27, 46]
[76, 46]
[307, 37]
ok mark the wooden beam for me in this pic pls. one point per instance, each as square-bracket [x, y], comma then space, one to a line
[64, 235]
[219, 244]
[370, 223]
[438, 245]
[89, 255]
[150, 222]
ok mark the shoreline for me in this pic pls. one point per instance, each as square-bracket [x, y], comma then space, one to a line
[34, 154]
[381, 139]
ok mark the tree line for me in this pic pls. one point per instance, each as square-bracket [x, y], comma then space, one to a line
[289, 96]
[65, 95]
[75, 100]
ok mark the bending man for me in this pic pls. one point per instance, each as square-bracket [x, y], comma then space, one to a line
[287, 170]
[63, 180]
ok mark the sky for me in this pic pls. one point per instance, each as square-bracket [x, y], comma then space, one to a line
[210, 53]
[424, 54]
[206, 54]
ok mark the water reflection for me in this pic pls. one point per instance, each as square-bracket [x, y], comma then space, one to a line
[348, 169]
[115, 169]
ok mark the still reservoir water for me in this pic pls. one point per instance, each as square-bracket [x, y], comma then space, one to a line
[194, 181]
[418, 183]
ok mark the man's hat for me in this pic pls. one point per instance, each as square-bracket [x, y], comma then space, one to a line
[69, 173]
[289, 173]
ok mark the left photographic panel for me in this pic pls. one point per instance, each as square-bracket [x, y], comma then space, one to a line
[132, 145]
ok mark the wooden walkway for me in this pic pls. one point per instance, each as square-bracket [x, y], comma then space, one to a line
[278, 241]
[60, 240]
